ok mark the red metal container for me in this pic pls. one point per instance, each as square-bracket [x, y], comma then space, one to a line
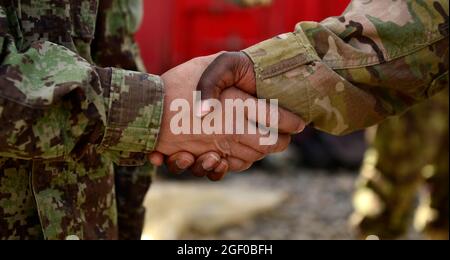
[174, 31]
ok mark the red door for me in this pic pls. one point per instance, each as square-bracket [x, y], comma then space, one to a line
[174, 31]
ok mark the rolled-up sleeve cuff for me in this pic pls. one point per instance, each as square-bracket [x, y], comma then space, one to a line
[134, 112]
[277, 62]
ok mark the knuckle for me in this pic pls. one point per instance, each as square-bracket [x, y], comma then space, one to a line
[224, 58]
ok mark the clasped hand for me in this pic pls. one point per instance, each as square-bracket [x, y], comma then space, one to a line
[219, 77]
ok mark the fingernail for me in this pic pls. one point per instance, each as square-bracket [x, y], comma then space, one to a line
[154, 161]
[209, 163]
[182, 164]
[220, 169]
[301, 128]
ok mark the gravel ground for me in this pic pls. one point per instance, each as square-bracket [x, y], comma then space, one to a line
[318, 207]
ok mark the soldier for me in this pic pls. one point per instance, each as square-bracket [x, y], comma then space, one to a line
[65, 121]
[114, 46]
[408, 152]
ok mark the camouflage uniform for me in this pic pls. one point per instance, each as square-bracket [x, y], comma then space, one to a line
[66, 121]
[350, 72]
[406, 152]
[114, 46]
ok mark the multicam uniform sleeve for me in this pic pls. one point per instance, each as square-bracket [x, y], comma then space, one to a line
[54, 103]
[349, 72]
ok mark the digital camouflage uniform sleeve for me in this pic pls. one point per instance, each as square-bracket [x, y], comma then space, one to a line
[350, 72]
[53, 103]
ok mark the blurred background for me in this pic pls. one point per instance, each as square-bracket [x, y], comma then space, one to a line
[174, 31]
[312, 191]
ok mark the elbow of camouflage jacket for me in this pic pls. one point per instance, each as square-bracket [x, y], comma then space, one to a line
[53, 104]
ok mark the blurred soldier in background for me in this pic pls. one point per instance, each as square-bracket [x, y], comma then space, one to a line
[114, 46]
[408, 152]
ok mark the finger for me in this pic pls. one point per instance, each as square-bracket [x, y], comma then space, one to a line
[275, 117]
[238, 165]
[205, 164]
[180, 162]
[156, 159]
[207, 60]
[244, 152]
[223, 166]
[255, 142]
[220, 171]
[227, 70]
[216, 176]
[290, 123]
[282, 144]
[266, 114]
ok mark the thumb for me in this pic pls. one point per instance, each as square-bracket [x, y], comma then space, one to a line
[230, 69]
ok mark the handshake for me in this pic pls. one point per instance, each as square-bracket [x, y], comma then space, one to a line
[225, 129]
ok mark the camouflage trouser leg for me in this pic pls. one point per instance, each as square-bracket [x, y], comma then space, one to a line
[432, 215]
[19, 217]
[406, 151]
[132, 184]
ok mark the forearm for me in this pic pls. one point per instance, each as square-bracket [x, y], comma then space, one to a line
[53, 104]
[351, 72]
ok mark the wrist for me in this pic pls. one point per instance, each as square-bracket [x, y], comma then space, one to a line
[249, 73]
[162, 135]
